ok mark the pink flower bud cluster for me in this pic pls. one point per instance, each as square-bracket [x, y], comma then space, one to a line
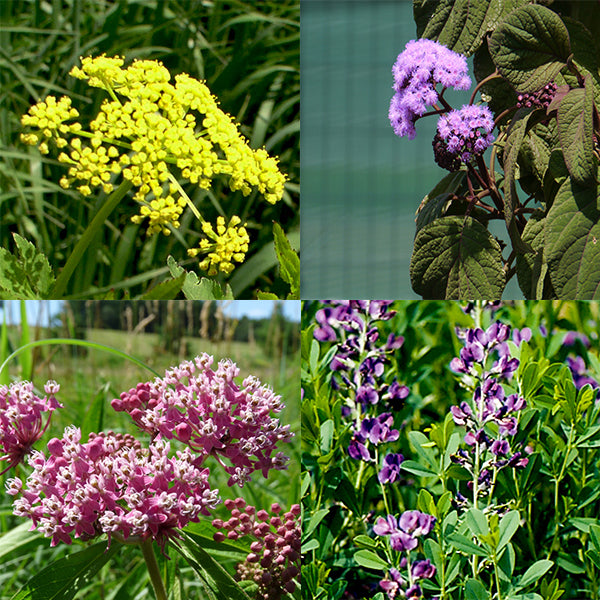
[210, 412]
[21, 420]
[274, 562]
[111, 485]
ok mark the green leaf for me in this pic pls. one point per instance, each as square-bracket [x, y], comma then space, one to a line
[535, 571]
[415, 468]
[327, 429]
[63, 578]
[477, 522]
[166, 290]
[474, 590]
[25, 275]
[457, 258]
[464, 544]
[434, 205]
[289, 261]
[16, 537]
[530, 47]
[364, 540]
[94, 416]
[370, 560]
[266, 295]
[508, 526]
[572, 233]
[210, 570]
[576, 132]
[461, 25]
[195, 289]
[532, 268]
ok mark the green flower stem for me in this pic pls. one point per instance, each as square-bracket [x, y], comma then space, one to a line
[93, 228]
[153, 570]
[174, 181]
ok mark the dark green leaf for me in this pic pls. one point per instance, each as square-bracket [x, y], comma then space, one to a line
[464, 544]
[457, 258]
[289, 261]
[572, 234]
[576, 132]
[166, 290]
[474, 590]
[434, 205]
[461, 25]
[530, 47]
[63, 578]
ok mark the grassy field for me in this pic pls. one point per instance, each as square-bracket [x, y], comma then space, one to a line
[97, 374]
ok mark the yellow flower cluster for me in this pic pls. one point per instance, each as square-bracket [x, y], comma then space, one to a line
[150, 130]
[229, 244]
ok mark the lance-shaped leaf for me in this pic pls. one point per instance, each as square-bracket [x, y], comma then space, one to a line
[457, 258]
[460, 25]
[530, 47]
[572, 234]
[576, 131]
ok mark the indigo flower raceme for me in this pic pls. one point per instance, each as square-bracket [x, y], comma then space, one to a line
[463, 134]
[417, 71]
[274, 562]
[209, 411]
[485, 360]
[110, 484]
[404, 533]
[21, 420]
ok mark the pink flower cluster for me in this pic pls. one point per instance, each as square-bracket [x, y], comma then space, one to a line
[210, 412]
[112, 485]
[275, 558]
[21, 420]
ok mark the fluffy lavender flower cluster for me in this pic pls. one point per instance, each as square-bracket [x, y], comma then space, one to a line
[112, 485]
[490, 405]
[404, 533]
[462, 135]
[418, 69]
[210, 412]
[274, 562]
[21, 419]
[359, 362]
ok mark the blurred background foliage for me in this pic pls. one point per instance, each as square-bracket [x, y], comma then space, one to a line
[161, 334]
[247, 52]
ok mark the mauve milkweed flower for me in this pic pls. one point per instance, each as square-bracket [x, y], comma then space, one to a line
[206, 409]
[21, 420]
[274, 560]
[110, 484]
[417, 70]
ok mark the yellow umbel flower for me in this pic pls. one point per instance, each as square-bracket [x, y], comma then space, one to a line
[229, 243]
[149, 131]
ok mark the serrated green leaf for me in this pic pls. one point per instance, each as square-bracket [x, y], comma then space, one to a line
[434, 204]
[461, 25]
[457, 258]
[576, 132]
[63, 578]
[289, 261]
[530, 47]
[572, 233]
[199, 289]
[370, 560]
[532, 268]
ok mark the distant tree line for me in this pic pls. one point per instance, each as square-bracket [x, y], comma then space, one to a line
[175, 319]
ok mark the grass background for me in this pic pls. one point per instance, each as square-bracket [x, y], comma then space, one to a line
[95, 375]
[247, 52]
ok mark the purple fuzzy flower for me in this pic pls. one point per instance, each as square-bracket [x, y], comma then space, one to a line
[417, 70]
[465, 133]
